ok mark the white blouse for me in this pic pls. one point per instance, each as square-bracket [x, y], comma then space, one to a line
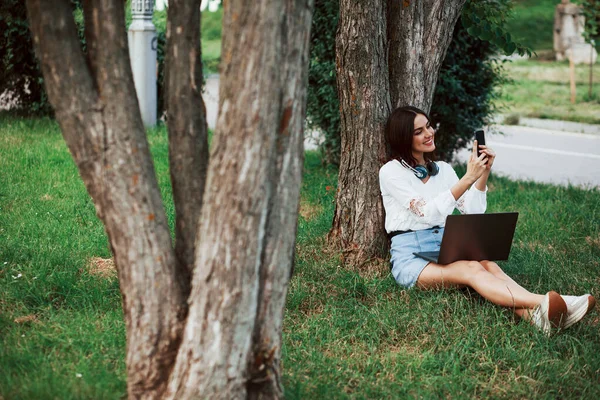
[411, 204]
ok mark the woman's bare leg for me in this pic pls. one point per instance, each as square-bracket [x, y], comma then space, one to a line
[472, 273]
[495, 270]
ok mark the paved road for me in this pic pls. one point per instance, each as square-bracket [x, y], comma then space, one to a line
[541, 155]
[544, 155]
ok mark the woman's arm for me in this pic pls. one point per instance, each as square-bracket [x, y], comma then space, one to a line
[477, 172]
[491, 156]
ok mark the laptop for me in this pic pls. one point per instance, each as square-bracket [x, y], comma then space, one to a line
[475, 237]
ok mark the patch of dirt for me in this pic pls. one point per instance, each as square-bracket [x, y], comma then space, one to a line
[372, 268]
[26, 318]
[46, 197]
[594, 242]
[309, 211]
[102, 267]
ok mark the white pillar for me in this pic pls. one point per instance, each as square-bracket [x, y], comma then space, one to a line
[142, 51]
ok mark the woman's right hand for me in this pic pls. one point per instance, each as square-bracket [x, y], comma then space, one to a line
[477, 165]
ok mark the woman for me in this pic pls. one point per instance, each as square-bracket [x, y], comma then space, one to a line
[418, 194]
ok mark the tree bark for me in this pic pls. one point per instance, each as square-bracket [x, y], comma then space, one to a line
[363, 91]
[241, 210]
[264, 380]
[100, 119]
[419, 34]
[244, 244]
[186, 119]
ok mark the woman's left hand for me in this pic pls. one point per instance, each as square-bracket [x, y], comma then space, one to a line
[491, 155]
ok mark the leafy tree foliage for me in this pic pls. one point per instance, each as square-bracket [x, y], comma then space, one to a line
[485, 20]
[463, 99]
[591, 11]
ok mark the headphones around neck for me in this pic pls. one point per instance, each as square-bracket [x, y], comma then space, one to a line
[422, 171]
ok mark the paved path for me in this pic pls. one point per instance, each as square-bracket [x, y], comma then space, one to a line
[545, 155]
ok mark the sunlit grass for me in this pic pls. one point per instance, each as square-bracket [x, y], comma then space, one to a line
[348, 332]
[542, 90]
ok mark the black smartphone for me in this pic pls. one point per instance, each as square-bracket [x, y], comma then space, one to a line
[480, 137]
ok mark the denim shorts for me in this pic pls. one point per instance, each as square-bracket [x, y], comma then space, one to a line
[406, 267]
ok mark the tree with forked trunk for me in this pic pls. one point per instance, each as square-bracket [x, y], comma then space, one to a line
[388, 54]
[236, 211]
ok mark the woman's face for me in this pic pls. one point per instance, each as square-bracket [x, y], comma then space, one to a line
[423, 136]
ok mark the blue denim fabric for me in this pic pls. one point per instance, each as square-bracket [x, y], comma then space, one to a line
[406, 267]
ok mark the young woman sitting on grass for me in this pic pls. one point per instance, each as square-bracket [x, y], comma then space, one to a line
[415, 213]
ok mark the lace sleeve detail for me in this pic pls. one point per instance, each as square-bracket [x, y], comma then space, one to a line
[460, 204]
[473, 201]
[417, 206]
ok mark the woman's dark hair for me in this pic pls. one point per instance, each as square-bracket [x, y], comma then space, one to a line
[399, 132]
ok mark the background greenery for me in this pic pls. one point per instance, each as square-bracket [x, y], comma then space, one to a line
[532, 23]
[464, 95]
[539, 87]
[20, 71]
[348, 333]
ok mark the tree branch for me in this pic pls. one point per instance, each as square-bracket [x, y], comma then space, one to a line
[216, 350]
[103, 128]
[419, 33]
[265, 379]
[186, 119]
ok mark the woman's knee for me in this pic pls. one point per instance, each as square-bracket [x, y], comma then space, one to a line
[492, 267]
[474, 270]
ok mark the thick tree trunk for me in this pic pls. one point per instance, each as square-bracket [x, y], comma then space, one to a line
[362, 80]
[246, 200]
[389, 54]
[280, 236]
[243, 247]
[188, 143]
[100, 119]
[419, 34]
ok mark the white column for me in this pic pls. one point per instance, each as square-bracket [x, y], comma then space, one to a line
[142, 51]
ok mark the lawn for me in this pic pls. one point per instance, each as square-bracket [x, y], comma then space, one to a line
[532, 23]
[541, 89]
[348, 332]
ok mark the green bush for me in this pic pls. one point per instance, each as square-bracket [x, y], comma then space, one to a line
[463, 96]
[19, 70]
[322, 108]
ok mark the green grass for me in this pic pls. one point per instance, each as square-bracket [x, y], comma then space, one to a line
[211, 55]
[348, 333]
[211, 40]
[541, 89]
[532, 23]
[210, 36]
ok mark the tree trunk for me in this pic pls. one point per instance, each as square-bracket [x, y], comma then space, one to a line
[286, 173]
[389, 54]
[100, 119]
[247, 224]
[419, 35]
[363, 91]
[188, 140]
[244, 244]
